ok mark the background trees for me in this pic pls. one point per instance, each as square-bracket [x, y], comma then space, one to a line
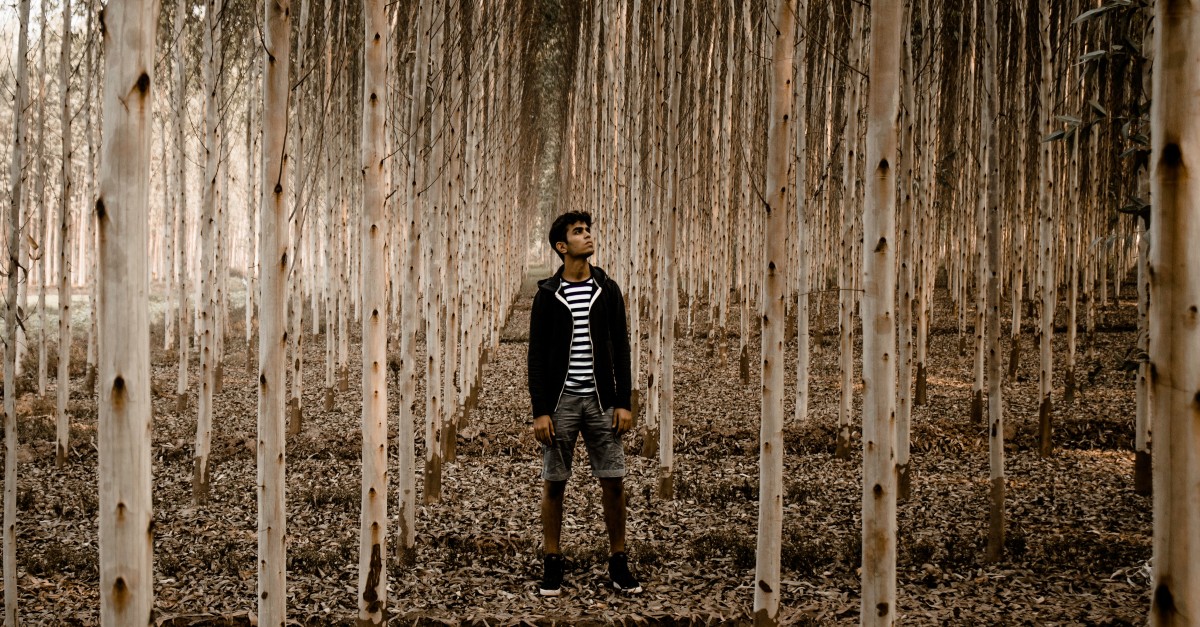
[655, 116]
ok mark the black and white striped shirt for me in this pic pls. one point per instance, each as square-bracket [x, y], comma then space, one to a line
[581, 380]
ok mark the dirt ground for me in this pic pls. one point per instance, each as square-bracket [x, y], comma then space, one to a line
[1077, 550]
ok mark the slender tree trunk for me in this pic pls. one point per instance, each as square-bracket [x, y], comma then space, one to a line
[1175, 294]
[17, 181]
[208, 279]
[40, 240]
[63, 376]
[879, 323]
[122, 215]
[904, 251]
[1142, 474]
[272, 337]
[846, 297]
[775, 294]
[1047, 250]
[180, 226]
[372, 575]
[406, 545]
[991, 79]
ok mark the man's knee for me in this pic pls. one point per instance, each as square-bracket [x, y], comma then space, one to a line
[554, 490]
[612, 485]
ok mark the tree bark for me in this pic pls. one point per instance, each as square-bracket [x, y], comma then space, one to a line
[879, 323]
[213, 146]
[122, 215]
[66, 184]
[1047, 243]
[272, 337]
[995, 547]
[770, 464]
[372, 574]
[17, 180]
[1175, 294]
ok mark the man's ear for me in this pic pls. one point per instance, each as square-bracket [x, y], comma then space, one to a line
[561, 247]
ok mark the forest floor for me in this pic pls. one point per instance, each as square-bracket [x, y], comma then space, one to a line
[1077, 549]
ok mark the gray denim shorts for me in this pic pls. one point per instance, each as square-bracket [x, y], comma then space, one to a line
[576, 414]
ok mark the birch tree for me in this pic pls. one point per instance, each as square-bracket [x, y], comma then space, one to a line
[17, 180]
[272, 336]
[879, 323]
[991, 101]
[122, 215]
[180, 225]
[1175, 299]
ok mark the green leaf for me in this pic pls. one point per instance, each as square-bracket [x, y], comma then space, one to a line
[1095, 54]
[1055, 136]
[1069, 119]
[1099, 109]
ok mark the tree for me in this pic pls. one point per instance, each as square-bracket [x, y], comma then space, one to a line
[991, 74]
[879, 323]
[272, 337]
[213, 145]
[122, 216]
[10, 319]
[770, 464]
[180, 226]
[1175, 296]
[1046, 250]
[63, 376]
[372, 576]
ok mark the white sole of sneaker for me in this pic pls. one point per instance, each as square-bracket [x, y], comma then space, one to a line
[549, 593]
[629, 590]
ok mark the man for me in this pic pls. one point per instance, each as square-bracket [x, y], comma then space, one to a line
[579, 383]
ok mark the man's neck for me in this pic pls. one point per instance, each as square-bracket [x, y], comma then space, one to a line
[576, 269]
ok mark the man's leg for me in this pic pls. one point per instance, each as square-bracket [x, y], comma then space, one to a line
[552, 514]
[612, 497]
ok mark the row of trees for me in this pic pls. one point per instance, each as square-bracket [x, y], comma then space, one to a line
[427, 100]
[893, 149]
[896, 149]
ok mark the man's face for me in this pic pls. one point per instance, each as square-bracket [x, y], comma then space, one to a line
[579, 242]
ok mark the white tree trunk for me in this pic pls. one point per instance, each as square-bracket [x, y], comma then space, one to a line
[272, 339]
[1175, 299]
[774, 298]
[372, 576]
[879, 323]
[208, 278]
[122, 214]
[180, 226]
[1047, 242]
[63, 376]
[991, 80]
[17, 179]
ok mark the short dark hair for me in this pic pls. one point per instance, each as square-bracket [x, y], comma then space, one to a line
[558, 230]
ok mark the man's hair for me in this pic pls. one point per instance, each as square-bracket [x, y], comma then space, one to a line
[558, 230]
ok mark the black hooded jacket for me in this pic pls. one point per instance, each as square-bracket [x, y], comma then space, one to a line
[550, 327]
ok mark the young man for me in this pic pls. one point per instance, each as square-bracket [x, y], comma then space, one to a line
[579, 383]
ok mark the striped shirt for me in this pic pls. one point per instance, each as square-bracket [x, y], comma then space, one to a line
[581, 380]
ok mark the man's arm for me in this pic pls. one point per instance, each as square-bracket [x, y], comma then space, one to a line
[536, 361]
[619, 334]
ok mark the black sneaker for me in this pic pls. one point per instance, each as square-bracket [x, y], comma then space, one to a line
[552, 572]
[618, 572]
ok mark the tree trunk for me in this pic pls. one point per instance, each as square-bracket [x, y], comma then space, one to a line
[122, 215]
[180, 226]
[879, 323]
[272, 338]
[1174, 334]
[40, 240]
[770, 464]
[1047, 248]
[208, 279]
[63, 376]
[372, 575]
[991, 78]
[17, 179]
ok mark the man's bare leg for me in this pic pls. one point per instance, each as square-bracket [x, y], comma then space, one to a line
[552, 515]
[612, 498]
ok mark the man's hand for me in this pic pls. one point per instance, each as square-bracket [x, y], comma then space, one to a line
[543, 429]
[622, 420]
